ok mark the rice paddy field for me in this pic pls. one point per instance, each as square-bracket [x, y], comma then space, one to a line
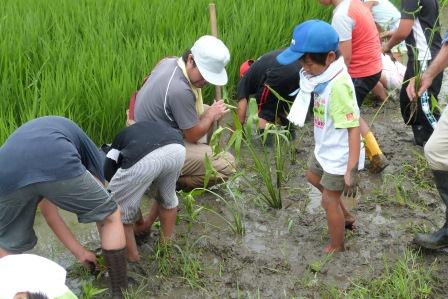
[83, 59]
[261, 234]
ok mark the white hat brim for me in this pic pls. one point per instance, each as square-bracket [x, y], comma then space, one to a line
[218, 79]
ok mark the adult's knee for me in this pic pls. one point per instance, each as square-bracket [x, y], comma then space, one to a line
[225, 165]
[431, 152]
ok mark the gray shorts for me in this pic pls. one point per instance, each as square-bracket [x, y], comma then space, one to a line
[82, 195]
[332, 182]
[161, 167]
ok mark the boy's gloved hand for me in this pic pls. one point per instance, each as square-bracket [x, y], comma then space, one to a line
[351, 179]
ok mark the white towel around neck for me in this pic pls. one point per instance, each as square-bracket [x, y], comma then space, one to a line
[299, 108]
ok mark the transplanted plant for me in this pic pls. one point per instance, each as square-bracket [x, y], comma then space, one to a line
[172, 259]
[271, 174]
[89, 291]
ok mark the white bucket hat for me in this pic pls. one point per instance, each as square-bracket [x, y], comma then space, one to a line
[31, 273]
[211, 57]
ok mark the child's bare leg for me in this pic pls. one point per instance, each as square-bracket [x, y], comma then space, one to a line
[168, 222]
[331, 201]
[131, 245]
[314, 179]
[144, 226]
[380, 91]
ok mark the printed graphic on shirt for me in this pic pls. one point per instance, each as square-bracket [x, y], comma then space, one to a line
[342, 106]
[319, 111]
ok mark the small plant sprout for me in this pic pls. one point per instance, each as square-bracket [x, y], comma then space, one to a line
[89, 291]
[317, 265]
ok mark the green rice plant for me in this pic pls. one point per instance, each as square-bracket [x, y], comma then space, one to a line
[192, 210]
[271, 177]
[415, 227]
[83, 59]
[163, 255]
[89, 291]
[418, 172]
[173, 259]
[317, 265]
[137, 291]
[234, 208]
[190, 265]
[408, 277]
[403, 188]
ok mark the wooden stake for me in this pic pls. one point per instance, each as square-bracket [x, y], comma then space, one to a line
[214, 29]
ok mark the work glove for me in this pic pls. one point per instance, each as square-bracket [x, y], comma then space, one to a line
[351, 179]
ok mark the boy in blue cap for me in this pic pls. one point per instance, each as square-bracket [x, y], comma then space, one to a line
[338, 155]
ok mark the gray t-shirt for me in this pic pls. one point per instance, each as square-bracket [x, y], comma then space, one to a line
[167, 97]
[50, 148]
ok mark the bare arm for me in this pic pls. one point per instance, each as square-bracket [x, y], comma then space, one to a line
[354, 144]
[242, 109]
[215, 112]
[64, 234]
[351, 174]
[346, 50]
[399, 35]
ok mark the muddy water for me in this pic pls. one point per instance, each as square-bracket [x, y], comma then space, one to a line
[273, 259]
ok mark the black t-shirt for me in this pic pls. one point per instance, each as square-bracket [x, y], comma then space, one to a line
[136, 141]
[425, 14]
[268, 71]
[45, 149]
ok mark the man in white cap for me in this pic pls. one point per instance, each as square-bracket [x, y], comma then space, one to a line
[172, 95]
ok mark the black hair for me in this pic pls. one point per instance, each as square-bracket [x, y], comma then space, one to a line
[185, 55]
[319, 58]
[36, 296]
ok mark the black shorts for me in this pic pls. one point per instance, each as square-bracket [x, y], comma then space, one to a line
[364, 85]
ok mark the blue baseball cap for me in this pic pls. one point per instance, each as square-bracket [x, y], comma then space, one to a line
[313, 36]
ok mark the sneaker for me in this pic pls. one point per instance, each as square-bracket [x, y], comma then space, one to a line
[378, 163]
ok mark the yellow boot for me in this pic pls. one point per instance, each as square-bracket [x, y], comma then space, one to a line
[377, 160]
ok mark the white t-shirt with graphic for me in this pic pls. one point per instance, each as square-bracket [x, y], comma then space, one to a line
[335, 110]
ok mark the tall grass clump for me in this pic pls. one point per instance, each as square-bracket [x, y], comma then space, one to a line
[82, 59]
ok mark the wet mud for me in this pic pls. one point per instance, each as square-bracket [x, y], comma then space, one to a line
[280, 255]
[276, 257]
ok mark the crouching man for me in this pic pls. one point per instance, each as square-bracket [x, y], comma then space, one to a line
[52, 158]
[143, 154]
[172, 95]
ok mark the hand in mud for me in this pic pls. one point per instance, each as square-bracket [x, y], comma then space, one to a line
[87, 258]
[351, 180]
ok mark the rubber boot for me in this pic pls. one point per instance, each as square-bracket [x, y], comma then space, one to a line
[421, 134]
[438, 239]
[117, 270]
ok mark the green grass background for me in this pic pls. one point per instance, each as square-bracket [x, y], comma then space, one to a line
[82, 59]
